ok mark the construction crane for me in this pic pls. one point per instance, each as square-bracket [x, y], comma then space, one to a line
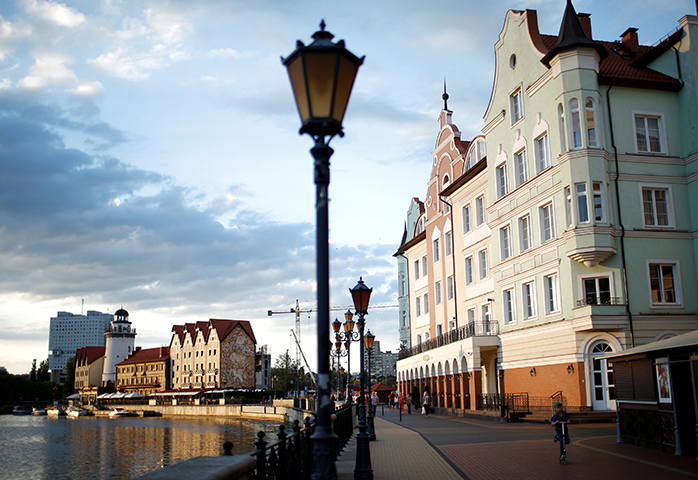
[310, 372]
[298, 312]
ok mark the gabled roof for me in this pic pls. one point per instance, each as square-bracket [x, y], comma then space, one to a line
[382, 387]
[146, 355]
[224, 327]
[87, 355]
[179, 331]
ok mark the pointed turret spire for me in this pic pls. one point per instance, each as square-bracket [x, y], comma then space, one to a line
[572, 35]
[445, 96]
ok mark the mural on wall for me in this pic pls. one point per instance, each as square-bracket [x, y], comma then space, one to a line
[237, 359]
[663, 379]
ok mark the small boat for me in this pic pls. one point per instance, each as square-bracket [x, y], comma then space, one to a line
[21, 410]
[38, 411]
[76, 412]
[54, 411]
[120, 412]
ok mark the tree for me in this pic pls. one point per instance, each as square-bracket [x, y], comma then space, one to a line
[43, 375]
[69, 384]
[32, 372]
[286, 370]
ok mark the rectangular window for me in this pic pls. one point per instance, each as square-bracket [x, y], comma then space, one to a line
[655, 207]
[551, 293]
[547, 226]
[424, 266]
[426, 303]
[471, 315]
[542, 153]
[419, 306]
[502, 182]
[437, 250]
[486, 317]
[480, 210]
[466, 219]
[505, 242]
[484, 264]
[521, 167]
[528, 295]
[568, 206]
[525, 233]
[647, 133]
[591, 122]
[437, 293]
[598, 201]
[419, 339]
[582, 206]
[663, 283]
[575, 124]
[416, 269]
[509, 306]
[597, 291]
[447, 243]
[450, 287]
[439, 330]
[516, 101]
[468, 270]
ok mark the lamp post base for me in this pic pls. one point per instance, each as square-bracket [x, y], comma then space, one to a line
[362, 468]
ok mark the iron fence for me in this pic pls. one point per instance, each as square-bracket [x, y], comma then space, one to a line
[507, 402]
[473, 329]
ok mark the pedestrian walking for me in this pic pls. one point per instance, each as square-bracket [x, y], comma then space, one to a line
[374, 402]
[401, 402]
[425, 403]
[408, 400]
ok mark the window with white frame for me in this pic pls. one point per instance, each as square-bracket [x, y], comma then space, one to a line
[426, 337]
[439, 330]
[416, 269]
[568, 206]
[516, 102]
[425, 268]
[561, 120]
[471, 315]
[648, 133]
[468, 270]
[575, 123]
[437, 293]
[590, 108]
[664, 280]
[418, 306]
[450, 287]
[597, 290]
[551, 293]
[480, 210]
[521, 167]
[421, 225]
[505, 242]
[452, 325]
[484, 264]
[599, 203]
[582, 202]
[502, 181]
[656, 207]
[437, 250]
[404, 319]
[525, 233]
[509, 316]
[447, 243]
[486, 317]
[547, 225]
[466, 218]
[426, 303]
[542, 152]
[528, 296]
[419, 339]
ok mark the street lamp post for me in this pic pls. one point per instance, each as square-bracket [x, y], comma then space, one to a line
[347, 336]
[337, 353]
[362, 469]
[322, 75]
[368, 341]
[339, 380]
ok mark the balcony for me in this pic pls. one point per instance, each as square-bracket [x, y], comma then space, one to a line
[475, 329]
[604, 300]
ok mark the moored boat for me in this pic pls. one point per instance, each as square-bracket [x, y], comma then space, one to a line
[21, 410]
[76, 412]
[120, 412]
[38, 411]
[55, 411]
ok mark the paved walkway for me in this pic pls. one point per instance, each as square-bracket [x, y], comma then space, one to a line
[445, 448]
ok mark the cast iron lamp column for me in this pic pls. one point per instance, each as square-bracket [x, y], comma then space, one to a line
[339, 382]
[368, 342]
[322, 75]
[362, 469]
[348, 336]
[337, 353]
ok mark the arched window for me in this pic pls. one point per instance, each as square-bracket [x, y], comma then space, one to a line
[591, 122]
[561, 118]
[575, 123]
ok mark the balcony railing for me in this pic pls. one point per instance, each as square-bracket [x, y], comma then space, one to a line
[604, 300]
[474, 329]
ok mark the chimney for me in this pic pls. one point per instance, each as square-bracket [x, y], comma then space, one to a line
[160, 351]
[585, 20]
[629, 38]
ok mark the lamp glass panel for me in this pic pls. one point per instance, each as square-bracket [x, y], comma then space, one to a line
[349, 325]
[295, 75]
[345, 82]
[320, 69]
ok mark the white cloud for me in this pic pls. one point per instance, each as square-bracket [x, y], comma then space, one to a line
[58, 13]
[231, 52]
[85, 88]
[52, 69]
[5, 83]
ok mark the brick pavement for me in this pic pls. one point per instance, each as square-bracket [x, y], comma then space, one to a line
[445, 448]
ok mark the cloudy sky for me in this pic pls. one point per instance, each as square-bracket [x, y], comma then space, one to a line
[149, 155]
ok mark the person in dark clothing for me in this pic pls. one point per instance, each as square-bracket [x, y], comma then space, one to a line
[557, 421]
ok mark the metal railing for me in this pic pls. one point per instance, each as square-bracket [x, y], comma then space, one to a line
[600, 301]
[473, 329]
[512, 402]
[291, 456]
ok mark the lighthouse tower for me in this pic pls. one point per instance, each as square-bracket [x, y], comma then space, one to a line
[120, 340]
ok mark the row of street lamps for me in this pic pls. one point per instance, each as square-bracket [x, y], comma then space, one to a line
[322, 76]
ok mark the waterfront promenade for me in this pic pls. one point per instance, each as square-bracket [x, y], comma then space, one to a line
[445, 448]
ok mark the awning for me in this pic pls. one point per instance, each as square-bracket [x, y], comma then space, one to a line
[74, 396]
[685, 340]
[176, 394]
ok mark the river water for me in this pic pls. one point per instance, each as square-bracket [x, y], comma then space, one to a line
[49, 448]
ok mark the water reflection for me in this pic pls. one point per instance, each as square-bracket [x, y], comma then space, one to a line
[89, 447]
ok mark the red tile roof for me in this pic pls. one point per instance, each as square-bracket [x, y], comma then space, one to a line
[224, 327]
[87, 355]
[147, 355]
